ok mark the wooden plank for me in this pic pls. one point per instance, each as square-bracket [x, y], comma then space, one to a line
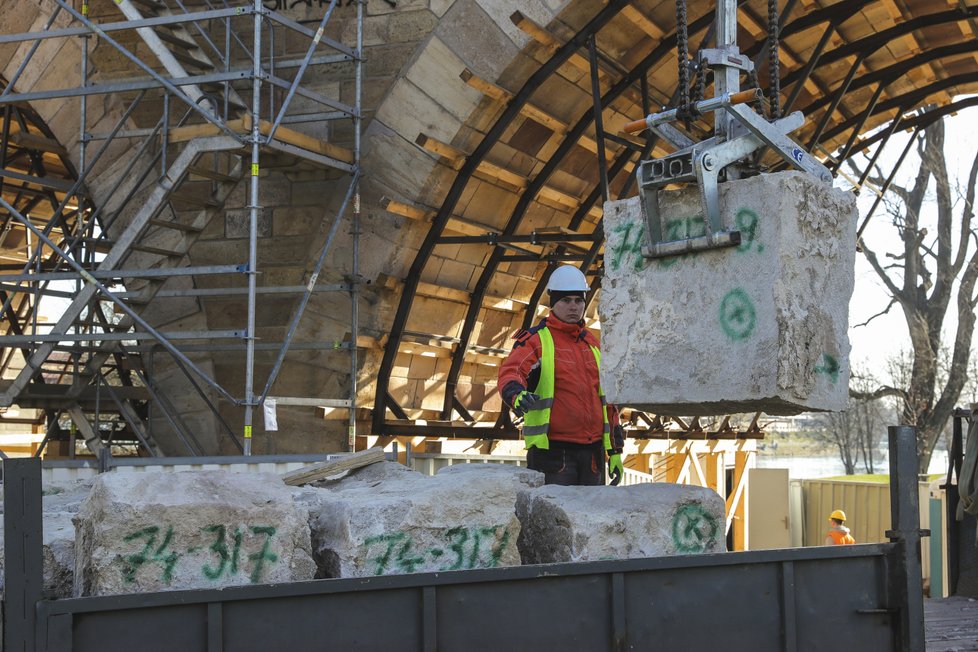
[321, 470]
[485, 87]
[695, 464]
[547, 195]
[455, 157]
[643, 22]
[543, 37]
[759, 31]
[293, 137]
[33, 141]
[283, 134]
[456, 225]
[445, 293]
[406, 210]
[183, 134]
[534, 113]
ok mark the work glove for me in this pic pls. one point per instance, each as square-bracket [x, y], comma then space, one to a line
[615, 468]
[524, 402]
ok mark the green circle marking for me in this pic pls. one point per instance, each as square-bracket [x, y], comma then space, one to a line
[693, 528]
[737, 316]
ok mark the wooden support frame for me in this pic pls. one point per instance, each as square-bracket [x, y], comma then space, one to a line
[540, 116]
[549, 196]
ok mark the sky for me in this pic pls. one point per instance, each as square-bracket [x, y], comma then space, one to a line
[885, 336]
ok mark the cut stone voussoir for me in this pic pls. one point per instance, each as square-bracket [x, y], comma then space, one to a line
[570, 524]
[140, 532]
[758, 327]
[387, 520]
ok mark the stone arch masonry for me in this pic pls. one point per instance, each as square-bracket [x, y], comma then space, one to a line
[415, 55]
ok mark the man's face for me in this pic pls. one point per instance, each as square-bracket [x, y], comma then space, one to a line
[569, 309]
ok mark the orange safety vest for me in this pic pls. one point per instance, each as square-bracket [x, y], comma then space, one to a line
[841, 538]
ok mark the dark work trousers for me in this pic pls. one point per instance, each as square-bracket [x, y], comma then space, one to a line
[569, 464]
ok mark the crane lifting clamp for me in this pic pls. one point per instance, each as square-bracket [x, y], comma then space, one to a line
[738, 132]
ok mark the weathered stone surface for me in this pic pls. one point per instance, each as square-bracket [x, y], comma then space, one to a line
[387, 520]
[60, 502]
[563, 524]
[200, 529]
[762, 326]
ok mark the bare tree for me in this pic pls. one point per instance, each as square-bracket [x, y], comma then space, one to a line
[856, 433]
[869, 416]
[838, 429]
[932, 270]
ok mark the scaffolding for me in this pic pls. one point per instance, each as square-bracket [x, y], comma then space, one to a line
[212, 99]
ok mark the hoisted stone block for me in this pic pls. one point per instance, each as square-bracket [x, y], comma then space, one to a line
[563, 524]
[757, 327]
[157, 531]
[387, 520]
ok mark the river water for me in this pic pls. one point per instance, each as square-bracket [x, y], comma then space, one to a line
[824, 466]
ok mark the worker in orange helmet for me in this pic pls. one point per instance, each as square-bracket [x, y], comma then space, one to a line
[838, 533]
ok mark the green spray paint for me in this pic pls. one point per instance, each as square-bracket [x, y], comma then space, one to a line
[465, 548]
[226, 551]
[747, 224]
[150, 553]
[629, 249]
[264, 554]
[694, 529]
[828, 366]
[737, 316]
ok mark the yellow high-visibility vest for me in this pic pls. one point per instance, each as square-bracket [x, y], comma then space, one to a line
[536, 422]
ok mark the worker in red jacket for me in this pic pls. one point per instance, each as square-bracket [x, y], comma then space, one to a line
[551, 378]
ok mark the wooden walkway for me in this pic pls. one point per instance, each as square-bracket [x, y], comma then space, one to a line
[951, 624]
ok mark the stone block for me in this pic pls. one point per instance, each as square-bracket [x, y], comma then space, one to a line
[237, 223]
[501, 10]
[387, 520]
[154, 531]
[396, 162]
[758, 327]
[564, 524]
[59, 504]
[437, 72]
[477, 39]
[410, 111]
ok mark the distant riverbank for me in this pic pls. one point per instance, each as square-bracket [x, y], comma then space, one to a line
[806, 457]
[803, 467]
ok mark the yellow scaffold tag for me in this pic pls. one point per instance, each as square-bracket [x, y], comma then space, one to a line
[254, 169]
[247, 432]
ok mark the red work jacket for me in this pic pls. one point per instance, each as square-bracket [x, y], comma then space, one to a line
[576, 415]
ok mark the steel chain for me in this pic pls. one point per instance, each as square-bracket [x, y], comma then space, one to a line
[699, 90]
[682, 45]
[774, 65]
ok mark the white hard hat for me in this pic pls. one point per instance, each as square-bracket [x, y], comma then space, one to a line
[567, 278]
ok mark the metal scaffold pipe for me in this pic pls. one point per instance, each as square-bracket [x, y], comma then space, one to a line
[249, 398]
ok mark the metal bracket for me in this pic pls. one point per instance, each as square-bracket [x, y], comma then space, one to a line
[724, 57]
[702, 163]
[738, 132]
